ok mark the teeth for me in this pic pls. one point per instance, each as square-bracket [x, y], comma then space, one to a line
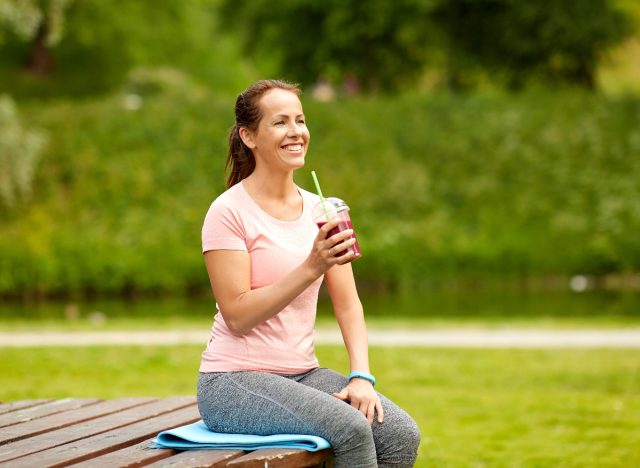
[293, 147]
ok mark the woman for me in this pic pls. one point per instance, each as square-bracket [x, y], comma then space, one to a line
[266, 260]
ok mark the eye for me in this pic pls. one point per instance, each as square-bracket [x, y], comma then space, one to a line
[302, 121]
[279, 123]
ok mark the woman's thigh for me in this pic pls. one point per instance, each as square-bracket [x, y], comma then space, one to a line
[264, 403]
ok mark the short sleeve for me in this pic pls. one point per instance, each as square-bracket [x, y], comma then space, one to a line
[222, 229]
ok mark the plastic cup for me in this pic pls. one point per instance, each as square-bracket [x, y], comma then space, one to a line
[337, 210]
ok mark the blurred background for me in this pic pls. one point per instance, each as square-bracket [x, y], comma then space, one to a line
[489, 150]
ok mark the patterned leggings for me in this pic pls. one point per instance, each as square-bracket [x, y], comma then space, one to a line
[263, 403]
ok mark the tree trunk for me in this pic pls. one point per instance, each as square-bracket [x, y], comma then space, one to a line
[40, 60]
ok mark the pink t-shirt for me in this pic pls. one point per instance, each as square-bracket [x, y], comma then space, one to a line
[284, 343]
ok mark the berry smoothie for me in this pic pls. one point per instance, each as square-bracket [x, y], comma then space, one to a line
[343, 225]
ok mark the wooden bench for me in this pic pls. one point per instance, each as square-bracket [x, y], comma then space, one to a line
[90, 432]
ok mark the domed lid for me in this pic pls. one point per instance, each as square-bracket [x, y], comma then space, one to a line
[337, 203]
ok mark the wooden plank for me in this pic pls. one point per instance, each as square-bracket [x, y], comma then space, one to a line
[136, 455]
[35, 412]
[91, 447]
[199, 459]
[67, 418]
[92, 427]
[280, 458]
[17, 405]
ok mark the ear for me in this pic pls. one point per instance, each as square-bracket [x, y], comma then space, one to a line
[247, 137]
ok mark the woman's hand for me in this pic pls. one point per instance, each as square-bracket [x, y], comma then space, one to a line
[324, 250]
[361, 395]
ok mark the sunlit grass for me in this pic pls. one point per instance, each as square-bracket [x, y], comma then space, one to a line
[474, 407]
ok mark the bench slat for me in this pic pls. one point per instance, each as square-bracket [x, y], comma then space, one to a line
[136, 455]
[16, 405]
[93, 427]
[277, 458]
[91, 447]
[46, 409]
[67, 418]
[199, 459]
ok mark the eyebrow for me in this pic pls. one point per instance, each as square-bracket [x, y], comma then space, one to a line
[286, 116]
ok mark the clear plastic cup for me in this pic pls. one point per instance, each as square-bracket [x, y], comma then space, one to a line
[338, 210]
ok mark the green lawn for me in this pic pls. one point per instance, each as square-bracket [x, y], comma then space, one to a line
[475, 407]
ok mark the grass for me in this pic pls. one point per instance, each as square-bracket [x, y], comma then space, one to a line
[475, 407]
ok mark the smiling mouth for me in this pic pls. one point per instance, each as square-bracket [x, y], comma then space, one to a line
[296, 147]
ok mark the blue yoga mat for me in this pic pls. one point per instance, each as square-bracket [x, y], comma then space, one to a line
[198, 436]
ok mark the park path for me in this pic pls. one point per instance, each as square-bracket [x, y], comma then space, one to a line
[453, 338]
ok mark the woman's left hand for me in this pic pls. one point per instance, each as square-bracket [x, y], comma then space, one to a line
[361, 395]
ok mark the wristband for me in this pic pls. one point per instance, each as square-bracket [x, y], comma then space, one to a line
[363, 375]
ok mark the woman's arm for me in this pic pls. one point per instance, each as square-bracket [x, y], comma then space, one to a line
[350, 316]
[242, 307]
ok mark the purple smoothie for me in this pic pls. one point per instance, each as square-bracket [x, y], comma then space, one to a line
[342, 226]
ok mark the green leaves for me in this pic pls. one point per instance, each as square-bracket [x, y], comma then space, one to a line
[20, 149]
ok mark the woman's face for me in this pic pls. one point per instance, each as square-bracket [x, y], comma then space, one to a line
[282, 137]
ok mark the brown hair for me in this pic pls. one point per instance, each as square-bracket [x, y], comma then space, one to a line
[240, 158]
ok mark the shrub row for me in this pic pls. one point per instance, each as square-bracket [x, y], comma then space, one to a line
[441, 187]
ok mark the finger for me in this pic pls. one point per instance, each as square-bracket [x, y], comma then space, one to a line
[355, 404]
[364, 409]
[324, 230]
[371, 409]
[342, 394]
[348, 257]
[380, 411]
[342, 246]
[341, 236]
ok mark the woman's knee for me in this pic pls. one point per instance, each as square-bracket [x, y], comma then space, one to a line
[352, 442]
[410, 433]
[397, 441]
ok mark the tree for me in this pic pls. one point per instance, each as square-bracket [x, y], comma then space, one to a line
[39, 22]
[380, 43]
[387, 44]
[102, 40]
[557, 41]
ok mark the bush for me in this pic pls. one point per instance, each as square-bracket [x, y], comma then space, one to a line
[440, 187]
[20, 149]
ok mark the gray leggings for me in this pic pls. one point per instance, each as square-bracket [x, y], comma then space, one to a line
[263, 403]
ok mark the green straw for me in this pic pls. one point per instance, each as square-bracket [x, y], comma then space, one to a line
[322, 200]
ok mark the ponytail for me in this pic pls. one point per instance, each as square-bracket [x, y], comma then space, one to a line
[240, 160]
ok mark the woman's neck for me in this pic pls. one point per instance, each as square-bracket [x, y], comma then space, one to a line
[274, 186]
[277, 196]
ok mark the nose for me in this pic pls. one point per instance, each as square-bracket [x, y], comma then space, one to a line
[294, 130]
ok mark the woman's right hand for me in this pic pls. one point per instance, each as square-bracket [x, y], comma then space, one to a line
[324, 250]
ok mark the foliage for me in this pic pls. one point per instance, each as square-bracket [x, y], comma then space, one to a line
[477, 309]
[104, 40]
[24, 17]
[66, 47]
[441, 187]
[20, 150]
[40, 22]
[552, 40]
[474, 407]
[389, 45]
[379, 43]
